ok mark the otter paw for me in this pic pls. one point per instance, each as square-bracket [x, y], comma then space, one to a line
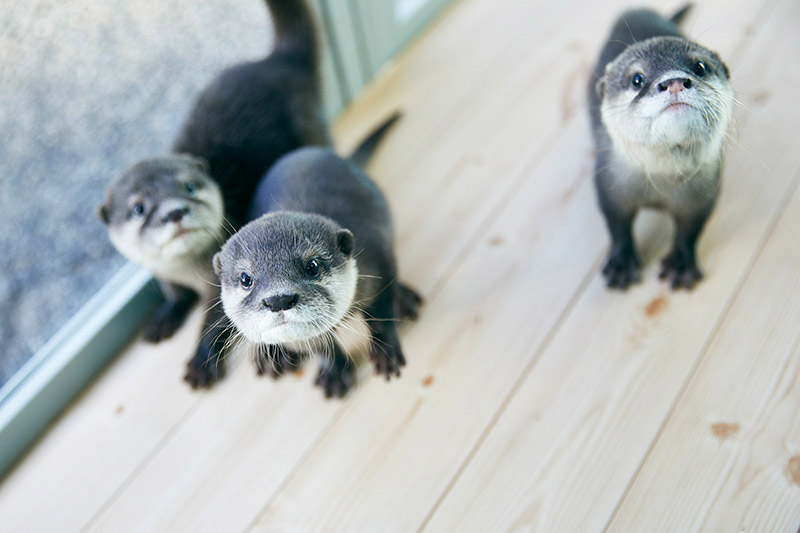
[336, 377]
[385, 352]
[160, 328]
[165, 323]
[621, 269]
[408, 302]
[203, 370]
[680, 270]
[274, 361]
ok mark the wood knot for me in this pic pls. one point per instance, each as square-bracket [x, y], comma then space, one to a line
[118, 411]
[656, 307]
[723, 430]
[794, 469]
[496, 241]
[427, 381]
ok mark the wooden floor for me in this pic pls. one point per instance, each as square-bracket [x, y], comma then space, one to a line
[533, 399]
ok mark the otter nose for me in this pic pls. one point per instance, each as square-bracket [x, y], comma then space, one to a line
[675, 85]
[282, 302]
[175, 215]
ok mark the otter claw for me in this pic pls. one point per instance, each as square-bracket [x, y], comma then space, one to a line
[408, 302]
[336, 378]
[680, 270]
[621, 270]
[388, 360]
[202, 373]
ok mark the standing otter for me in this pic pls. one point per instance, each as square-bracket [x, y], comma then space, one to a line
[660, 113]
[320, 261]
[170, 214]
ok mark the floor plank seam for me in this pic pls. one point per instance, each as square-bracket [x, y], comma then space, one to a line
[582, 286]
[299, 463]
[130, 478]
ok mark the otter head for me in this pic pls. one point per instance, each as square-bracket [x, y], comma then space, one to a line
[287, 277]
[164, 214]
[666, 94]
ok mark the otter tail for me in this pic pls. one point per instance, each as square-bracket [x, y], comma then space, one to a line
[295, 30]
[678, 17]
[362, 154]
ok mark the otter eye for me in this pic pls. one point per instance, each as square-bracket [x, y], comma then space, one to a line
[245, 280]
[699, 69]
[191, 188]
[312, 269]
[637, 80]
[138, 209]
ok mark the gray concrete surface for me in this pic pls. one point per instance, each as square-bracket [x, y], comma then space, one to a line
[86, 89]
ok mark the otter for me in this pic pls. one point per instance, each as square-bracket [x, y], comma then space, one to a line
[660, 110]
[173, 225]
[170, 214]
[315, 273]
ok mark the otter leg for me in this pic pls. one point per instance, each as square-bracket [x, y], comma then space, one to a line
[274, 360]
[622, 266]
[384, 348]
[170, 316]
[408, 302]
[679, 267]
[207, 365]
[337, 374]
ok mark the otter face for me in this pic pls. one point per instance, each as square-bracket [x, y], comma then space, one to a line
[164, 213]
[666, 93]
[287, 278]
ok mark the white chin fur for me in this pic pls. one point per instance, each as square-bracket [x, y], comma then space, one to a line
[184, 260]
[649, 134]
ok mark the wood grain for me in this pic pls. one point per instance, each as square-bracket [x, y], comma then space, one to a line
[533, 399]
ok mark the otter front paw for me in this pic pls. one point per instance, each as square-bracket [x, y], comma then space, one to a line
[385, 351]
[275, 361]
[336, 377]
[204, 369]
[168, 318]
[680, 270]
[408, 302]
[621, 269]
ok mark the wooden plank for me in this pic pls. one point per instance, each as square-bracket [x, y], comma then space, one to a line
[108, 432]
[562, 453]
[233, 450]
[736, 430]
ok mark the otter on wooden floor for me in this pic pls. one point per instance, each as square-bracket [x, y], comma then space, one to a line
[170, 214]
[316, 272]
[660, 108]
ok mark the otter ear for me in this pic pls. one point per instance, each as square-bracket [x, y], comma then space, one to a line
[725, 70]
[102, 214]
[202, 164]
[344, 240]
[198, 162]
[218, 264]
[600, 87]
